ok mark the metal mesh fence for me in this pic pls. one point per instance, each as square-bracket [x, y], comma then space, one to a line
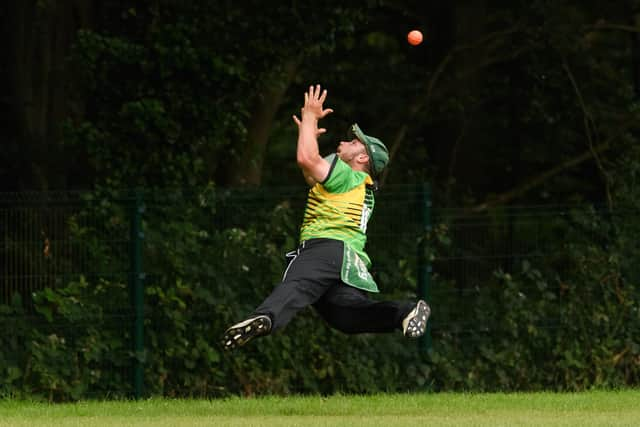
[52, 239]
[48, 240]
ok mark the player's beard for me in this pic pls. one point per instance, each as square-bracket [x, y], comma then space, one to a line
[347, 157]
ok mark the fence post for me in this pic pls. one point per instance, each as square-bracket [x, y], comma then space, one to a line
[424, 263]
[137, 292]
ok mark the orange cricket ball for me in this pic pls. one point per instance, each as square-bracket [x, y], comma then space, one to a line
[414, 37]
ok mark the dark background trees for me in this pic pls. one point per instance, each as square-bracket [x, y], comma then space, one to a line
[524, 102]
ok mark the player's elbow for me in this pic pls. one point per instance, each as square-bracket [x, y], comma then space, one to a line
[313, 167]
[304, 161]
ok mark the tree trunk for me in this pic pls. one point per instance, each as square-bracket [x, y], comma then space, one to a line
[247, 165]
[39, 36]
[635, 54]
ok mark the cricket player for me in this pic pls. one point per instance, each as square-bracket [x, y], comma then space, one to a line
[330, 269]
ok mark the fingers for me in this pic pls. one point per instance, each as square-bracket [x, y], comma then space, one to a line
[315, 93]
[327, 111]
[309, 95]
[313, 100]
[299, 123]
[323, 96]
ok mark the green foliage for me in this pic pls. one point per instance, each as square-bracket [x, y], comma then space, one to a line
[171, 85]
[210, 257]
[567, 321]
[71, 348]
[164, 93]
[12, 348]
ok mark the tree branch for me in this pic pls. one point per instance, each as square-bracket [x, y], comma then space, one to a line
[543, 177]
[590, 130]
[612, 27]
[454, 158]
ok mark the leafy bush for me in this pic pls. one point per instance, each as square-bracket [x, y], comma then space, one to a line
[71, 347]
[567, 320]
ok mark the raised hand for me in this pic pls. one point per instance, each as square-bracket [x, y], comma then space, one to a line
[314, 168]
[313, 109]
[313, 101]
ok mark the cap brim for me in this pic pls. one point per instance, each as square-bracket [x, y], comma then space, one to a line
[357, 132]
[362, 137]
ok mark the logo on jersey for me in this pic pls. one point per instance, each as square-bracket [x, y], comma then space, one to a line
[364, 218]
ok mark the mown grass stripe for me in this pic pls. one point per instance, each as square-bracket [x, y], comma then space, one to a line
[617, 408]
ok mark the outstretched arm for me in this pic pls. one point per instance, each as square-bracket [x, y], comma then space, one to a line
[314, 167]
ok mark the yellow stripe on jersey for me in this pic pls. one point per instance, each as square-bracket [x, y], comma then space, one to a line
[340, 208]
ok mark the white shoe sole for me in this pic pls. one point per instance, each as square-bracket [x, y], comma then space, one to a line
[241, 333]
[415, 324]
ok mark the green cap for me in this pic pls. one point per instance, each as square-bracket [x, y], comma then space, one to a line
[378, 153]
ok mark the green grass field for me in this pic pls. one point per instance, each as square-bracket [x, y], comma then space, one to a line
[598, 408]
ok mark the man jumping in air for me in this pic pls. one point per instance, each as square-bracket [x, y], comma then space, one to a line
[329, 270]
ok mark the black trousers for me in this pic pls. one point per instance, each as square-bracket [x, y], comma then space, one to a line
[313, 278]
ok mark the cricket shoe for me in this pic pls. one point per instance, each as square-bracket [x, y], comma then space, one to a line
[241, 333]
[415, 324]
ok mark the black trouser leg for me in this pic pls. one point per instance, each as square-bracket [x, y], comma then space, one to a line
[288, 298]
[313, 271]
[313, 277]
[352, 311]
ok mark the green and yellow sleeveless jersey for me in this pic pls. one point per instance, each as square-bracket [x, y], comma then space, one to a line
[340, 207]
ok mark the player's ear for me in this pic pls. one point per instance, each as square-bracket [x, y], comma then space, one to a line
[363, 158]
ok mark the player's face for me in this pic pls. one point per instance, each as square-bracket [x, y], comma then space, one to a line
[348, 150]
